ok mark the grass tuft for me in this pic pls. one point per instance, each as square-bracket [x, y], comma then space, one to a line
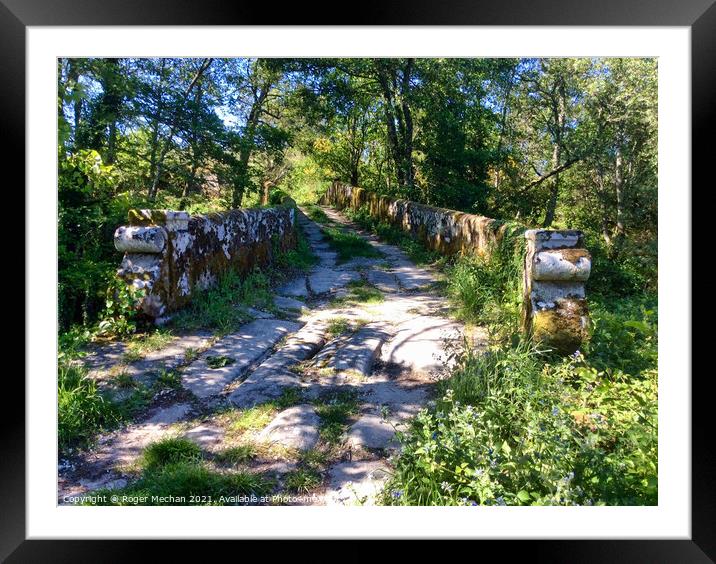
[82, 411]
[186, 483]
[170, 451]
[349, 245]
[236, 454]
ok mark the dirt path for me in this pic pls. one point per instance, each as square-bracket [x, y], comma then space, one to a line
[314, 393]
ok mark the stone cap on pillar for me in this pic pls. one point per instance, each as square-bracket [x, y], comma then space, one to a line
[554, 239]
[140, 239]
[171, 219]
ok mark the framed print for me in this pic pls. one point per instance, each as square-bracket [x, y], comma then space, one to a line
[399, 279]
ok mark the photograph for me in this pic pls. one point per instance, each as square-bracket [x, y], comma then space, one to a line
[395, 281]
[384, 281]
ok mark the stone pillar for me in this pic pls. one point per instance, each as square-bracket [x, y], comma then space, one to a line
[147, 243]
[555, 310]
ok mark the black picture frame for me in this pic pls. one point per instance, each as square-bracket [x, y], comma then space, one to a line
[699, 15]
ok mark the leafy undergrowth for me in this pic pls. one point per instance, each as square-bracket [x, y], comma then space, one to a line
[517, 426]
[219, 308]
[299, 259]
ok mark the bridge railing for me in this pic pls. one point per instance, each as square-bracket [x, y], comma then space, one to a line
[169, 254]
[556, 264]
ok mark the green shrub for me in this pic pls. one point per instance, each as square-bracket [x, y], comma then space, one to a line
[276, 197]
[624, 334]
[511, 429]
[119, 318]
[632, 273]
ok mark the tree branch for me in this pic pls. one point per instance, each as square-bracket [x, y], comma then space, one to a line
[551, 173]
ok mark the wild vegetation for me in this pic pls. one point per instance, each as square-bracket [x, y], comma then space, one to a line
[543, 142]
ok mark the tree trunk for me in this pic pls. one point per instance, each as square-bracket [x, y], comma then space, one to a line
[408, 121]
[265, 192]
[399, 121]
[192, 185]
[558, 110]
[73, 77]
[111, 103]
[602, 193]
[167, 142]
[554, 189]
[619, 187]
[248, 145]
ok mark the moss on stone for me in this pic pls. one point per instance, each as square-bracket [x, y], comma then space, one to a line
[575, 255]
[561, 328]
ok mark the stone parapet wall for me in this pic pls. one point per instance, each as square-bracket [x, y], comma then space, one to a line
[556, 265]
[170, 254]
[446, 231]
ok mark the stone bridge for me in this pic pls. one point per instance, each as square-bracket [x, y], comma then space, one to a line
[318, 384]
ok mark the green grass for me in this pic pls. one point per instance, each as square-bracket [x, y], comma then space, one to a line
[392, 235]
[170, 451]
[82, 411]
[124, 381]
[302, 480]
[190, 355]
[487, 290]
[337, 326]
[290, 395]
[317, 214]
[140, 345]
[349, 245]
[301, 258]
[221, 307]
[313, 458]
[182, 480]
[334, 411]
[359, 292]
[236, 454]
[253, 419]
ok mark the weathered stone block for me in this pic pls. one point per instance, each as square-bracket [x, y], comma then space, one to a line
[551, 239]
[138, 239]
[563, 327]
[562, 264]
